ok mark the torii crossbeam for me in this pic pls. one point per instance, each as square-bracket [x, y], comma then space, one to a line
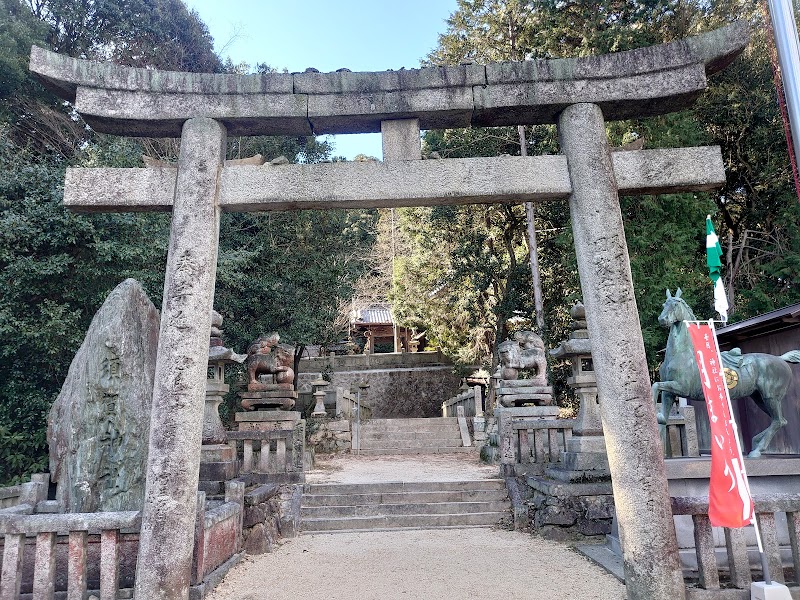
[577, 94]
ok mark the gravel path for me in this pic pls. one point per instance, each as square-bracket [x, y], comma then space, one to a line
[440, 564]
[443, 564]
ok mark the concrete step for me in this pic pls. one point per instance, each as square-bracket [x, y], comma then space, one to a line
[471, 495]
[411, 422]
[411, 444]
[405, 508]
[431, 450]
[389, 487]
[485, 519]
[447, 433]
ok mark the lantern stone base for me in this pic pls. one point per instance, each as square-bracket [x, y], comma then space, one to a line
[218, 464]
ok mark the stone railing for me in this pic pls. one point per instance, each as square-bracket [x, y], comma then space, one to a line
[736, 561]
[348, 406]
[471, 400]
[681, 439]
[531, 439]
[82, 555]
[356, 362]
[265, 451]
[95, 553]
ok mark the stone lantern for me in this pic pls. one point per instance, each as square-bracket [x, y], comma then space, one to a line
[216, 388]
[218, 459]
[319, 385]
[586, 450]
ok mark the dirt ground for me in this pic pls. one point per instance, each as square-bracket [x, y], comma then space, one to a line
[440, 564]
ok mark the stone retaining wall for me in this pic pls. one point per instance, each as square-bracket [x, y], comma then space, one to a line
[331, 436]
[398, 392]
[271, 511]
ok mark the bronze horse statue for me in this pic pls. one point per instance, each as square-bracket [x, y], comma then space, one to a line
[763, 377]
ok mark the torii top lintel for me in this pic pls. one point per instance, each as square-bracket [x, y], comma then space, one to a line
[637, 83]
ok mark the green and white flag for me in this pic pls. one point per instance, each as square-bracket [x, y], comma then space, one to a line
[714, 261]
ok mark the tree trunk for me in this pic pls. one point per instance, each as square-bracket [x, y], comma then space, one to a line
[533, 248]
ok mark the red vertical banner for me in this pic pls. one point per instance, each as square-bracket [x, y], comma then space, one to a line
[729, 500]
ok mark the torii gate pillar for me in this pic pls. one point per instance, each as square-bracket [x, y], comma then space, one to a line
[635, 455]
[163, 569]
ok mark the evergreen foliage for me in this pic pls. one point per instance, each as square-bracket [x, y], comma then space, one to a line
[286, 272]
[476, 281]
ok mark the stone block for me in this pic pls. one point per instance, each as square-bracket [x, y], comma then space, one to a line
[217, 453]
[560, 489]
[556, 515]
[256, 541]
[591, 527]
[525, 389]
[255, 514]
[260, 395]
[211, 488]
[267, 416]
[590, 443]
[563, 475]
[542, 412]
[218, 471]
[597, 507]
[261, 494]
[436, 108]
[401, 140]
[584, 461]
[555, 533]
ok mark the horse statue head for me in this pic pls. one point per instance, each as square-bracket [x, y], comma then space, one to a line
[675, 310]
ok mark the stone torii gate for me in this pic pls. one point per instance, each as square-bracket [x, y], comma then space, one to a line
[577, 94]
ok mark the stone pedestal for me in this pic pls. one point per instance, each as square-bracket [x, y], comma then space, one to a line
[519, 392]
[276, 420]
[271, 396]
[217, 465]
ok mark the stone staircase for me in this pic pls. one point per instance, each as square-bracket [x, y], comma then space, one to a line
[329, 507]
[411, 436]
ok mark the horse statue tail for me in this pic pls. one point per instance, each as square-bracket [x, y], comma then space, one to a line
[793, 356]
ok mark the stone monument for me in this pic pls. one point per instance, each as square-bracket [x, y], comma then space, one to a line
[97, 428]
[524, 352]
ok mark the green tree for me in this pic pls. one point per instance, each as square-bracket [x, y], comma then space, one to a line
[287, 272]
[756, 212]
